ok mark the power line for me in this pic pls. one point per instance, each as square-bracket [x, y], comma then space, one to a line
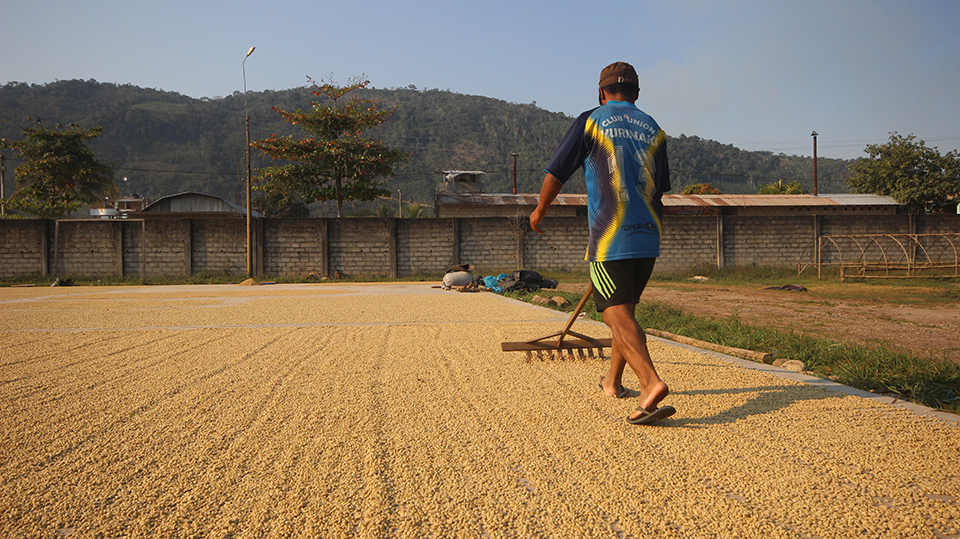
[492, 173]
[189, 172]
[800, 146]
[728, 175]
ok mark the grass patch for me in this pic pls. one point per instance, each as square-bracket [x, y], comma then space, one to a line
[69, 280]
[913, 292]
[203, 278]
[928, 382]
[736, 275]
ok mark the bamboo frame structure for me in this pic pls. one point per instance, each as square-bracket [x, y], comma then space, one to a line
[884, 256]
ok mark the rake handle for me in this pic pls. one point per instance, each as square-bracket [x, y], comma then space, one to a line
[575, 314]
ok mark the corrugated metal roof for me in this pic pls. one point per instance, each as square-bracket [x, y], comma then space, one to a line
[850, 198]
[506, 199]
[192, 202]
[528, 199]
[739, 201]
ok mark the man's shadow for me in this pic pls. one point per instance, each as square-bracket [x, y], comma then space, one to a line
[769, 399]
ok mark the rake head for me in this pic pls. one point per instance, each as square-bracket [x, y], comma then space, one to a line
[579, 347]
[547, 347]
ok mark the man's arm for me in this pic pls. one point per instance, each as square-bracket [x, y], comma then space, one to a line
[548, 193]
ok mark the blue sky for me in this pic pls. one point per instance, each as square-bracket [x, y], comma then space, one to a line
[761, 75]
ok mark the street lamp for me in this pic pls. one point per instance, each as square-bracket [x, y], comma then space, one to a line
[814, 135]
[3, 195]
[247, 124]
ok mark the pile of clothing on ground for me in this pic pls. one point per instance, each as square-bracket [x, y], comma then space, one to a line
[462, 276]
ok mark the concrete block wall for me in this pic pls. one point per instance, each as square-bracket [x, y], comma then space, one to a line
[133, 249]
[424, 246]
[88, 247]
[360, 246]
[937, 224]
[774, 241]
[217, 246]
[864, 224]
[167, 241]
[561, 247]
[896, 249]
[295, 246]
[848, 250]
[489, 243]
[170, 247]
[936, 249]
[688, 241]
[22, 246]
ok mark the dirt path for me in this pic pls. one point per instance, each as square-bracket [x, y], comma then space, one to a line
[929, 331]
[926, 331]
[389, 411]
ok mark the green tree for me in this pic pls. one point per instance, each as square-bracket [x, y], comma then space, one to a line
[58, 173]
[907, 170]
[386, 209]
[700, 189]
[413, 211]
[792, 188]
[282, 205]
[333, 161]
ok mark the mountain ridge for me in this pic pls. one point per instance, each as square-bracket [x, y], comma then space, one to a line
[161, 142]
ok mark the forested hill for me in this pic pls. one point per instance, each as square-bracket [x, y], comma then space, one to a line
[164, 143]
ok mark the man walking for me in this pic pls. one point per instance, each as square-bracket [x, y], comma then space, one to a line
[624, 156]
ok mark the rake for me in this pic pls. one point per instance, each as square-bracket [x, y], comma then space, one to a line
[556, 343]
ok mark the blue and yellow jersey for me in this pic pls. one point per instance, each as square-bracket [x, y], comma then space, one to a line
[623, 153]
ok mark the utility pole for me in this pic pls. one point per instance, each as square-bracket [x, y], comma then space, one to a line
[247, 125]
[814, 135]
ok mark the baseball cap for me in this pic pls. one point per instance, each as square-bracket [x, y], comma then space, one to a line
[619, 72]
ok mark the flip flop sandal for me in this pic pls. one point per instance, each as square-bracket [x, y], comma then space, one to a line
[649, 416]
[620, 394]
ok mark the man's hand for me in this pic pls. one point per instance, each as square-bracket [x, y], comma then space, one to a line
[549, 191]
[535, 219]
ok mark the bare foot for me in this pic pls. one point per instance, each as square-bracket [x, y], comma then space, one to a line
[650, 397]
[611, 390]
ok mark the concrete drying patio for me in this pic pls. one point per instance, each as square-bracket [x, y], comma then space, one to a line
[388, 410]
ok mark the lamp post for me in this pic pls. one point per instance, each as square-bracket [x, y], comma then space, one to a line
[247, 125]
[3, 195]
[814, 135]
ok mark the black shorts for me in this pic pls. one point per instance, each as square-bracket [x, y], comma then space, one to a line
[620, 282]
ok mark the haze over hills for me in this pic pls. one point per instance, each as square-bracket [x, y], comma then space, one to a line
[161, 142]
